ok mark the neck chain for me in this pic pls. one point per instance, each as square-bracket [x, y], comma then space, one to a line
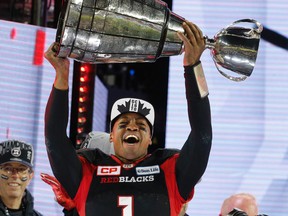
[7, 213]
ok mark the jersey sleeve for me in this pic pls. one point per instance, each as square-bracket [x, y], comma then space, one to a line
[62, 154]
[194, 155]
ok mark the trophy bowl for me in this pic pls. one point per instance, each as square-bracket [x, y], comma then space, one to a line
[129, 31]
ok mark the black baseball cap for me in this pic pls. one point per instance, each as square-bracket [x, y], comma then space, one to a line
[16, 151]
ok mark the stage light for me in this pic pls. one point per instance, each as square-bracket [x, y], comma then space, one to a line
[83, 79]
[82, 98]
[81, 120]
[82, 109]
[85, 88]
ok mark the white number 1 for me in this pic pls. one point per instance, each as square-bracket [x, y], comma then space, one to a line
[126, 202]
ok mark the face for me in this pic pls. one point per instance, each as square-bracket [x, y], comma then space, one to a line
[131, 136]
[243, 202]
[14, 178]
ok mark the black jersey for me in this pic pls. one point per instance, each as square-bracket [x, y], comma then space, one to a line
[147, 187]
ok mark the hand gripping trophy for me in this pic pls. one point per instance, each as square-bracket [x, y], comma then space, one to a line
[126, 31]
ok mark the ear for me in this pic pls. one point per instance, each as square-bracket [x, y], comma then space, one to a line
[150, 143]
[111, 137]
[31, 175]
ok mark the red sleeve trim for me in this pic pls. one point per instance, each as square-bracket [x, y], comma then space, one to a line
[175, 199]
[82, 193]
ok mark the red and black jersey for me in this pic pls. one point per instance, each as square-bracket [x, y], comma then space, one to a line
[156, 185]
[147, 187]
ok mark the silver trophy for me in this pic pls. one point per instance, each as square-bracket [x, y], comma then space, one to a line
[126, 31]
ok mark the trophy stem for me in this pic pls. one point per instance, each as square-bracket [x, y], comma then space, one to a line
[209, 43]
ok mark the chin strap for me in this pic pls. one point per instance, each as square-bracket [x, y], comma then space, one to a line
[61, 195]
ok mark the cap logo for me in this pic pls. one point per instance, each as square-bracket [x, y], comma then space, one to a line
[16, 152]
[29, 155]
[133, 105]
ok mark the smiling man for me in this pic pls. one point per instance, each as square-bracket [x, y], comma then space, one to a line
[131, 181]
[16, 172]
[132, 123]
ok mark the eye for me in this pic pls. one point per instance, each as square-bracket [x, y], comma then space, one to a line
[21, 169]
[10, 170]
[7, 169]
[142, 126]
[122, 124]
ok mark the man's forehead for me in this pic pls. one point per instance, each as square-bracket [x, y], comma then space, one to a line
[132, 115]
[14, 164]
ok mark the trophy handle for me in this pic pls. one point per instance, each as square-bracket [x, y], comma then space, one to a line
[236, 79]
[259, 28]
[235, 48]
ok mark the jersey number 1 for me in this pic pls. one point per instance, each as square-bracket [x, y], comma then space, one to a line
[126, 203]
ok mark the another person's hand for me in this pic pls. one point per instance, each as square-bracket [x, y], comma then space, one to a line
[61, 66]
[194, 43]
[61, 195]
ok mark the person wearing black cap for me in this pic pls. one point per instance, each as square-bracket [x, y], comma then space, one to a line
[131, 181]
[16, 172]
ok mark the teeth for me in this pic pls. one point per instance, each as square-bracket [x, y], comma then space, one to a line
[13, 184]
[133, 136]
[131, 139]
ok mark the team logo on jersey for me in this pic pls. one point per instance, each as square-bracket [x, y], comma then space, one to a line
[108, 170]
[148, 170]
[128, 166]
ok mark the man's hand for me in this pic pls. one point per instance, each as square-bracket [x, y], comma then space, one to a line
[194, 43]
[61, 66]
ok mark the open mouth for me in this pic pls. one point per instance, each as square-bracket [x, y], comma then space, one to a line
[131, 139]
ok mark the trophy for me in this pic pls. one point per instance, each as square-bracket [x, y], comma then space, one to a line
[129, 31]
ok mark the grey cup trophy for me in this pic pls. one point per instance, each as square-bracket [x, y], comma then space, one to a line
[126, 31]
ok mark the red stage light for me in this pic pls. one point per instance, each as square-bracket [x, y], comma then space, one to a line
[82, 120]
